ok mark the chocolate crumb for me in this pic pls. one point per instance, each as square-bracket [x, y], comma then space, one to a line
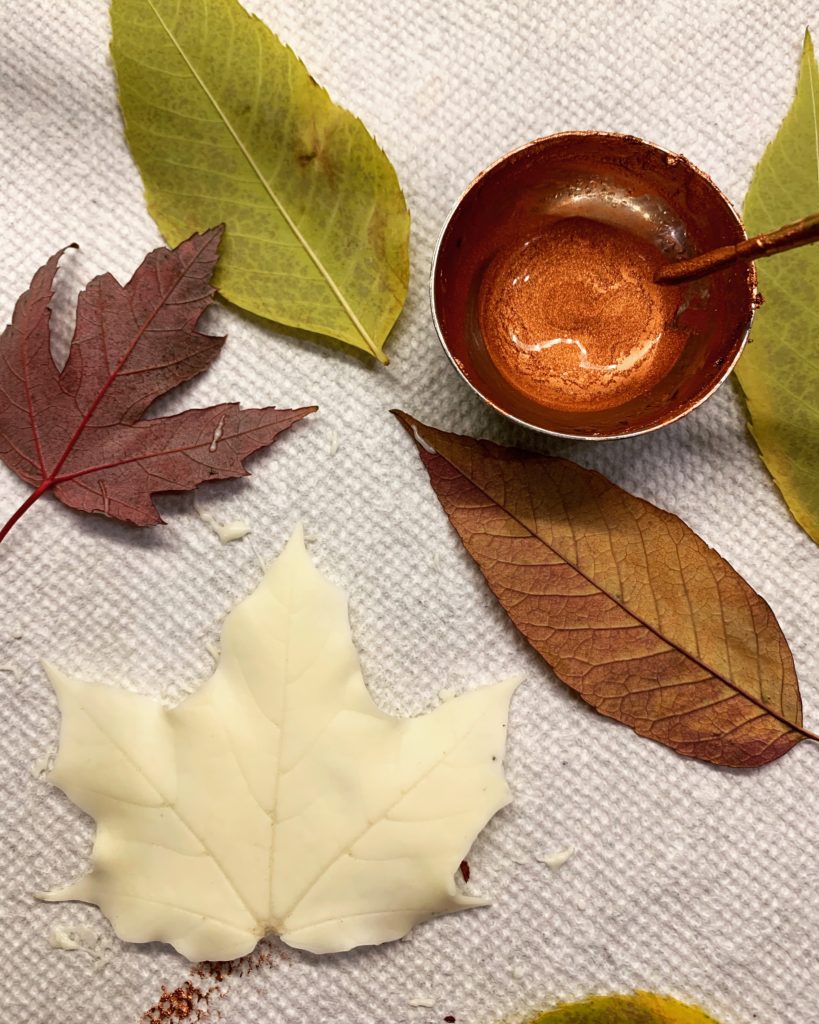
[465, 872]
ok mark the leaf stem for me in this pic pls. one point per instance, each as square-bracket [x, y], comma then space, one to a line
[46, 485]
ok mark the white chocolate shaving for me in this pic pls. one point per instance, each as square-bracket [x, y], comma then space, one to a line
[558, 858]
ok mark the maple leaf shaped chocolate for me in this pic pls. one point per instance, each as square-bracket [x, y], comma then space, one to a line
[278, 797]
[80, 431]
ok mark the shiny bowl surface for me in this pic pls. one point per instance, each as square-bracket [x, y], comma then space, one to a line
[625, 182]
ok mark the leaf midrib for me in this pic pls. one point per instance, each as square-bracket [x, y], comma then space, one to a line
[146, 456]
[54, 476]
[377, 820]
[173, 806]
[314, 257]
[797, 727]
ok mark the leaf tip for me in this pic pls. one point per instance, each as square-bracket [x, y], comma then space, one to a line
[53, 262]
[61, 682]
[414, 427]
[72, 891]
[808, 55]
[296, 538]
[52, 672]
[210, 239]
[465, 901]
[409, 423]
[512, 682]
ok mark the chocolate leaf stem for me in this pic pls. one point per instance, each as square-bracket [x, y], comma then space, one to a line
[625, 602]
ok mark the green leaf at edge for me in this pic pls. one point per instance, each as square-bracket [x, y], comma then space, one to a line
[227, 125]
[779, 370]
[640, 1008]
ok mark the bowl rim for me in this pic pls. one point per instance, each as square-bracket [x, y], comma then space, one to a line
[587, 133]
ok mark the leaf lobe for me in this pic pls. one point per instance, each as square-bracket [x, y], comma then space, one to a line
[79, 431]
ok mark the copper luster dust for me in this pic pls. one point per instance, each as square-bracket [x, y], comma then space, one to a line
[573, 319]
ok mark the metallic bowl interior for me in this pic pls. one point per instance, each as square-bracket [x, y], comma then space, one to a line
[627, 183]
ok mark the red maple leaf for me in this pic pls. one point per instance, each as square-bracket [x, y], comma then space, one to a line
[79, 431]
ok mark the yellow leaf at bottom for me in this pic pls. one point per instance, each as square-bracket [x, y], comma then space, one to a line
[640, 1008]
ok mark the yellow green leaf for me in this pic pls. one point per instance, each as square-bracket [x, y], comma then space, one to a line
[779, 371]
[227, 126]
[641, 1008]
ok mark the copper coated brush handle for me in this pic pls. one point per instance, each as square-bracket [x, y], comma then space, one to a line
[803, 232]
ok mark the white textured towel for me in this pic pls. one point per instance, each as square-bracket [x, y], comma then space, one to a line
[686, 879]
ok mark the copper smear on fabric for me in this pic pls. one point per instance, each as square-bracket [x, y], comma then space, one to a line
[187, 1002]
[589, 345]
[208, 982]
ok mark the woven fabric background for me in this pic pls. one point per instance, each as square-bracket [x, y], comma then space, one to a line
[694, 881]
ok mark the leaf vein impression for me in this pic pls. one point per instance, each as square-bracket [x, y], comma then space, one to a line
[382, 816]
[274, 809]
[360, 913]
[323, 271]
[173, 904]
[172, 806]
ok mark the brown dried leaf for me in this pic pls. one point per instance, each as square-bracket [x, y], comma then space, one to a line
[626, 603]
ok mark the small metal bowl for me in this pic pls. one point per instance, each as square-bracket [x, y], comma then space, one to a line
[629, 184]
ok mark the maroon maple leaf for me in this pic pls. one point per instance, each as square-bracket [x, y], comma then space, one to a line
[79, 431]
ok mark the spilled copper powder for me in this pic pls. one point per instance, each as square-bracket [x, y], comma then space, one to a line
[193, 1001]
[188, 1002]
[573, 318]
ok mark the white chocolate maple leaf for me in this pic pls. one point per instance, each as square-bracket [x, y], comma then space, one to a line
[278, 797]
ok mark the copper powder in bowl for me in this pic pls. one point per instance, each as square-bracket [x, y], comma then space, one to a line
[544, 293]
[573, 319]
